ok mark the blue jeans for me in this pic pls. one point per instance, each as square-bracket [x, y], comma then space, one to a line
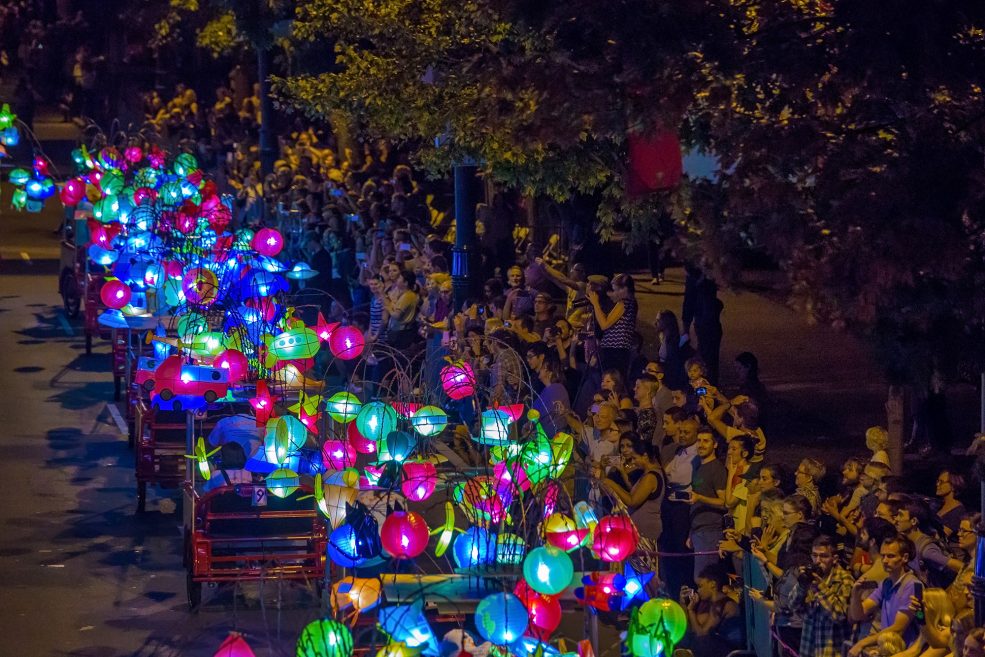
[705, 539]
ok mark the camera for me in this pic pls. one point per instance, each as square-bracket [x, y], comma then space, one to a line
[701, 392]
[808, 573]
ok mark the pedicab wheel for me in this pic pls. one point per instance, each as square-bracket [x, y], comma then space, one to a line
[71, 299]
[148, 385]
[166, 394]
[210, 396]
[117, 387]
[194, 591]
[88, 343]
[141, 496]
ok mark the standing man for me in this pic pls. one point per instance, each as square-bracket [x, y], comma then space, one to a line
[680, 461]
[826, 623]
[707, 501]
[891, 598]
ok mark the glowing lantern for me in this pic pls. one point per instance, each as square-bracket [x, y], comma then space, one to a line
[397, 446]
[420, 478]
[474, 547]
[429, 420]
[343, 549]
[115, 293]
[407, 624]
[338, 455]
[501, 618]
[325, 638]
[268, 242]
[346, 342]
[358, 592]
[283, 482]
[10, 137]
[101, 256]
[234, 362]
[362, 444]
[19, 177]
[494, 427]
[133, 154]
[664, 614]
[185, 164]
[634, 586]
[562, 532]
[200, 285]
[73, 191]
[291, 433]
[458, 380]
[510, 549]
[376, 420]
[334, 499]
[397, 649]
[545, 614]
[615, 522]
[548, 570]
[343, 406]
[614, 545]
[234, 646]
[404, 534]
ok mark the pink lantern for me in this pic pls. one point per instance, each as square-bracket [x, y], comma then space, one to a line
[234, 645]
[420, 478]
[133, 154]
[346, 342]
[404, 534]
[115, 293]
[338, 455]
[614, 545]
[458, 380]
[142, 194]
[73, 191]
[268, 242]
[610, 523]
[235, 362]
[545, 614]
[359, 442]
[510, 478]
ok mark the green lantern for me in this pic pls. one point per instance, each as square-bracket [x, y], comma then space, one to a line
[343, 406]
[18, 199]
[19, 176]
[184, 164]
[537, 458]
[548, 570]
[662, 616]
[376, 420]
[146, 177]
[111, 182]
[106, 209]
[510, 549]
[189, 325]
[429, 420]
[171, 194]
[325, 638]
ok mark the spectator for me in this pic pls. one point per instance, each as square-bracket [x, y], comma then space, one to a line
[543, 313]
[877, 442]
[808, 474]
[949, 485]
[829, 587]
[891, 599]
[928, 561]
[645, 494]
[707, 499]
[520, 298]
[708, 611]
[617, 324]
[552, 402]
[737, 466]
[613, 390]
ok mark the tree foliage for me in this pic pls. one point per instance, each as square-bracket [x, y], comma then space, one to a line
[850, 133]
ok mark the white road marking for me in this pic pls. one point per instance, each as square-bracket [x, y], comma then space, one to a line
[450, 454]
[117, 418]
[63, 320]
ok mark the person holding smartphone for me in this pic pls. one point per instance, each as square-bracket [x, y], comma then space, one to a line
[829, 590]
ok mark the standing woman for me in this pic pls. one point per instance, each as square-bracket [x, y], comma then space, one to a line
[644, 498]
[669, 352]
[617, 325]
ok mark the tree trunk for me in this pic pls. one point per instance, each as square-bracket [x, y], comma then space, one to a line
[268, 148]
[894, 424]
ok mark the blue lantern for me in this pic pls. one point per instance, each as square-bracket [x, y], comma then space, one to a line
[501, 618]
[474, 547]
[407, 624]
[342, 547]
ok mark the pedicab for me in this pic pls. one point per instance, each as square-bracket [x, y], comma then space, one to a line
[78, 286]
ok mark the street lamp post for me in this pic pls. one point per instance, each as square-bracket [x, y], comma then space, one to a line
[978, 579]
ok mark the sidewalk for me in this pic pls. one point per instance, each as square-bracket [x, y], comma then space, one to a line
[825, 386]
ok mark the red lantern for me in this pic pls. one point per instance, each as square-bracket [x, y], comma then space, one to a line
[142, 194]
[115, 293]
[268, 242]
[359, 442]
[73, 191]
[338, 454]
[655, 163]
[610, 523]
[234, 645]
[458, 380]
[404, 534]
[420, 478]
[235, 362]
[346, 342]
[545, 615]
[615, 545]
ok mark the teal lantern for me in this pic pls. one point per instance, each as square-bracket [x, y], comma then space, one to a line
[548, 570]
[376, 420]
[501, 618]
[325, 638]
[184, 164]
[19, 176]
[343, 406]
[111, 182]
[283, 482]
[494, 427]
[429, 420]
[106, 209]
[397, 446]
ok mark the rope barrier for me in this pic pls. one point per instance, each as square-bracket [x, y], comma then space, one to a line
[786, 649]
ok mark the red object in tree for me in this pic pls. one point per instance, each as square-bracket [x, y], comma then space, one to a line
[655, 163]
[404, 534]
[263, 404]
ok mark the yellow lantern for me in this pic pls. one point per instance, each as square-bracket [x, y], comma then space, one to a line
[360, 593]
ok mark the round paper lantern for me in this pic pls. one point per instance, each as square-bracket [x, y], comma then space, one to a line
[234, 362]
[609, 523]
[115, 293]
[420, 478]
[376, 420]
[545, 615]
[510, 549]
[458, 380]
[501, 618]
[361, 593]
[325, 638]
[342, 547]
[268, 242]
[200, 285]
[429, 420]
[133, 154]
[362, 444]
[346, 342]
[343, 406]
[562, 532]
[474, 547]
[404, 534]
[283, 482]
[338, 455]
[548, 570]
[664, 612]
[614, 545]
[494, 427]
[102, 256]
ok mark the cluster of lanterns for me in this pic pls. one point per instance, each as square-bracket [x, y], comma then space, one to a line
[31, 188]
